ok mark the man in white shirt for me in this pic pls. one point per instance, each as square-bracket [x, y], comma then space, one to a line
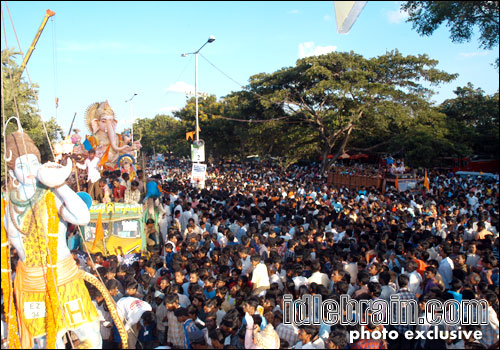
[446, 265]
[187, 214]
[130, 310]
[415, 278]
[318, 277]
[260, 277]
[93, 173]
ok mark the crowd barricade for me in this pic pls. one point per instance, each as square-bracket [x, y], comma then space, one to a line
[355, 181]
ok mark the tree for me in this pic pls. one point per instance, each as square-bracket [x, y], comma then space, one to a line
[330, 95]
[223, 138]
[163, 134]
[19, 99]
[473, 120]
[461, 17]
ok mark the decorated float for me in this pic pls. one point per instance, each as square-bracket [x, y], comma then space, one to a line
[48, 296]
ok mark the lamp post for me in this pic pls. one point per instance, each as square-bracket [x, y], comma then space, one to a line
[132, 113]
[211, 39]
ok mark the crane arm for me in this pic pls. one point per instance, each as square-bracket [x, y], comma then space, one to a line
[48, 14]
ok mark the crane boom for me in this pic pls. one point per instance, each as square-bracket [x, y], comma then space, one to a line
[48, 14]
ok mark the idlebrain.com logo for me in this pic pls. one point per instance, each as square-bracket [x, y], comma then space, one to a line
[436, 318]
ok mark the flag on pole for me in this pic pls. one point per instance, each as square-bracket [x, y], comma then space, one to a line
[426, 181]
[99, 233]
[190, 135]
[397, 183]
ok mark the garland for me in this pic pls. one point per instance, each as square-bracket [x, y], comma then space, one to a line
[51, 299]
[9, 307]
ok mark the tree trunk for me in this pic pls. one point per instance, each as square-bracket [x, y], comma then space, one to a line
[327, 163]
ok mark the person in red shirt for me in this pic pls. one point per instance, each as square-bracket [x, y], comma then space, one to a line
[118, 191]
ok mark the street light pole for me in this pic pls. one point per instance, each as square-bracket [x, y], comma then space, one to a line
[211, 39]
[196, 92]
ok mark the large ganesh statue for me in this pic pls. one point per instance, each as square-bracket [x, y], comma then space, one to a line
[49, 296]
[108, 144]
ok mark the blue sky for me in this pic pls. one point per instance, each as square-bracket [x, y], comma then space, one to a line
[93, 51]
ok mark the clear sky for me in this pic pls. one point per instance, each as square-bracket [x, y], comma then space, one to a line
[93, 51]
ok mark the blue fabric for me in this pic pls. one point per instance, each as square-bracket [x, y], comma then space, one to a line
[149, 336]
[152, 190]
[74, 242]
[87, 145]
[209, 295]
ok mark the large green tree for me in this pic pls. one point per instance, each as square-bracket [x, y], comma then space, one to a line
[473, 121]
[461, 16]
[19, 99]
[330, 95]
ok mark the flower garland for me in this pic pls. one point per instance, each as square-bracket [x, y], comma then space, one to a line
[51, 299]
[9, 307]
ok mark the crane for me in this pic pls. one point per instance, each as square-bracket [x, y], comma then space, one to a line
[48, 14]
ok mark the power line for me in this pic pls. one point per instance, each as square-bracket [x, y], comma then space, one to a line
[248, 90]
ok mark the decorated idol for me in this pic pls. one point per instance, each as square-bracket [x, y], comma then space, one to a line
[108, 144]
[49, 289]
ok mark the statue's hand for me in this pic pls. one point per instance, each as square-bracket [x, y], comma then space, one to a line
[52, 174]
[137, 145]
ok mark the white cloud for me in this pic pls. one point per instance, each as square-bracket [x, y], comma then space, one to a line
[397, 16]
[294, 12]
[473, 54]
[181, 87]
[327, 17]
[308, 49]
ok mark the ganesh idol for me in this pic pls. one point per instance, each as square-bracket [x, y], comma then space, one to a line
[109, 145]
[49, 290]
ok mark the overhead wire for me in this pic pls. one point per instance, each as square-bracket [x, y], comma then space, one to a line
[248, 90]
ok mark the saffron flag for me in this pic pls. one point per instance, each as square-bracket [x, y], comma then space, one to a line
[99, 233]
[397, 183]
[190, 135]
[426, 181]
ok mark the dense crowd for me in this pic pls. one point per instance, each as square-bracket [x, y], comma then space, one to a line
[221, 258]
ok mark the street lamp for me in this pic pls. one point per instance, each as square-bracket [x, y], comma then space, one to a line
[132, 113]
[211, 39]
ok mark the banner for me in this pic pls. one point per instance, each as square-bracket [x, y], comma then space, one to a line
[198, 173]
[198, 152]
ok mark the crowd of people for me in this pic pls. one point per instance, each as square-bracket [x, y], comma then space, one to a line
[226, 254]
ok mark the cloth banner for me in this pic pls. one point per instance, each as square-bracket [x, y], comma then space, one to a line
[198, 173]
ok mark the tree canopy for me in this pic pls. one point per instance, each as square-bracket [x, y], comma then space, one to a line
[461, 16]
[329, 96]
[332, 103]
